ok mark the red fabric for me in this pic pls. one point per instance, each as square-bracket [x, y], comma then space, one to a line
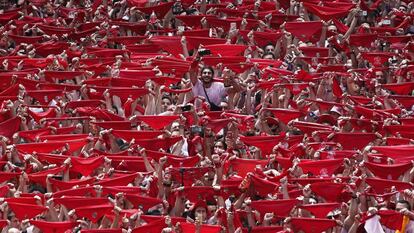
[40, 177]
[5, 176]
[391, 172]
[311, 225]
[53, 227]
[86, 166]
[194, 42]
[64, 185]
[326, 13]
[190, 228]
[160, 10]
[128, 135]
[306, 31]
[143, 202]
[173, 160]
[264, 143]
[399, 153]
[121, 180]
[324, 168]
[62, 75]
[331, 192]
[285, 115]
[44, 96]
[364, 40]
[320, 210]
[280, 208]
[37, 116]
[391, 219]
[83, 103]
[73, 202]
[118, 125]
[400, 88]
[158, 122]
[382, 185]
[93, 212]
[243, 166]
[261, 229]
[157, 143]
[101, 231]
[155, 226]
[9, 127]
[262, 187]
[226, 49]
[26, 211]
[350, 141]
[82, 191]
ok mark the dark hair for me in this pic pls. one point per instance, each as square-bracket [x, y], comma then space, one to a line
[208, 68]
[405, 203]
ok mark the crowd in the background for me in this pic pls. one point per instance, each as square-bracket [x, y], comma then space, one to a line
[206, 116]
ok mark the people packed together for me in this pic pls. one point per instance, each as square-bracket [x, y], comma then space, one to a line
[206, 116]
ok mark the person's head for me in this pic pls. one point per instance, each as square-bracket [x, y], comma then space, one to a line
[269, 48]
[166, 102]
[332, 29]
[201, 213]
[207, 74]
[14, 222]
[270, 56]
[401, 204]
[219, 147]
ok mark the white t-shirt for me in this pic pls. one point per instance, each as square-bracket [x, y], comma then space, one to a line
[216, 92]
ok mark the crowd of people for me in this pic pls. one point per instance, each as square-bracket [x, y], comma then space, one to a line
[206, 116]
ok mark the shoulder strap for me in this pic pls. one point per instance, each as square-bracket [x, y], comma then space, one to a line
[205, 92]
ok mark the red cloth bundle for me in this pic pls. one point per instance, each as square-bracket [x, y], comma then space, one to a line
[309, 225]
[382, 185]
[158, 122]
[363, 40]
[128, 135]
[285, 115]
[226, 49]
[194, 42]
[93, 212]
[40, 177]
[64, 185]
[243, 166]
[391, 172]
[73, 202]
[320, 210]
[324, 168]
[26, 211]
[280, 208]
[190, 228]
[264, 143]
[37, 116]
[400, 88]
[10, 126]
[86, 166]
[120, 180]
[160, 10]
[350, 141]
[305, 31]
[42, 147]
[118, 125]
[331, 192]
[143, 202]
[53, 227]
[328, 12]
